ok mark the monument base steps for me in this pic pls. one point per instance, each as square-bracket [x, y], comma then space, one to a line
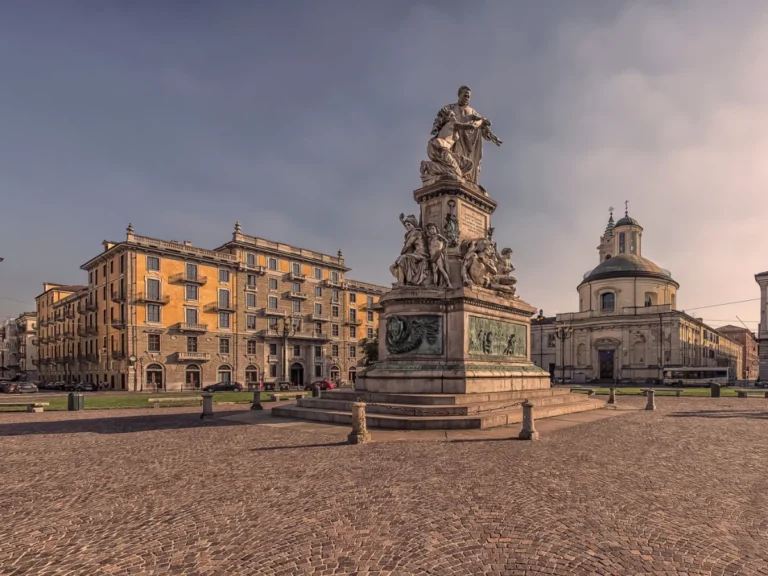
[438, 411]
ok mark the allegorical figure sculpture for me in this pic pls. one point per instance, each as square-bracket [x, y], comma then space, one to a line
[456, 147]
[482, 265]
[412, 266]
[436, 245]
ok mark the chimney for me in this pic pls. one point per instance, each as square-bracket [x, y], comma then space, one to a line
[187, 243]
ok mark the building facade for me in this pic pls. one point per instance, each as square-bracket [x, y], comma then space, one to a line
[544, 343]
[628, 327]
[762, 331]
[18, 347]
[167, 315]
[749, 349]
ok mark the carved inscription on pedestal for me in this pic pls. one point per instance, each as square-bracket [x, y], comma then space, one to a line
[433, 215]
[489, 337]
[472, 223]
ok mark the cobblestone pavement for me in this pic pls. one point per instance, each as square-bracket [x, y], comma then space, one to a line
[682, 490]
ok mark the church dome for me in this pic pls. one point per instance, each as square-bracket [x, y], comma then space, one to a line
[628, 221]
[627, 266]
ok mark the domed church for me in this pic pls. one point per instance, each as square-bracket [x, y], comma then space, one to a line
[628, 327]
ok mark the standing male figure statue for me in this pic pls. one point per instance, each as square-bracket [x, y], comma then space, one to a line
[456, 146]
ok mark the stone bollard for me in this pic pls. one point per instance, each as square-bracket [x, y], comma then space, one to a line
[651, 404]
[714, 390]
[207, 405]
[359, 434]
[256, 405]
[529, 430]
[766, 394]
[612, 396]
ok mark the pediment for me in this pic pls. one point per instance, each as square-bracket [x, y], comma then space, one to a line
[606, 343]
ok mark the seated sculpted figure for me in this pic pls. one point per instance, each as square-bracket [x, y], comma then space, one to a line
[412, 266]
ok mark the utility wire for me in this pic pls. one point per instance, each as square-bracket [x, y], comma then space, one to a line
[14, 300]
[723, 304]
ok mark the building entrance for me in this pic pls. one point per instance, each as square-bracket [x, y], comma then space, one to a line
[606, 361]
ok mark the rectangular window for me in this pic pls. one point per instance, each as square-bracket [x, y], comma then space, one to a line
[295, 287]
[296, 350]
[104, 271]
[318, 291]
[318, 351]
[369, 301]
[352, 315]
[251, 280]
[153, 288]
[250, 347]
[272, 262]
[317, 273]
[352, 297]
[153, 343]
[296, 268]
[273, 302]
[296, 306]
[633, 242]
[622, 242]
[334, 276]
[104, 314]
[112, 267]
[335, 350]
[335, 295]
[224, 319]
[224, 345]
[153, 263]
[370, 333]
[273, 349]
[335, 330]
[273, 283]
[318, 309]
[190, 315]
[318, 370]
[370, 315]
[191, 343]
[153, 313]
[104, 292]
[223, 275]
[353, 351]
[223, 298]
[191, 292]
[273, 370]
[335, 311]
[272, 323]
[318, 327]
[353, 332]
[250, 300]
[251, 260]
[122, 263]
[250, 322]
[191, 270]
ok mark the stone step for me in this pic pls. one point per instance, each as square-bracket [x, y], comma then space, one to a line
[437, 422]
[443, 399]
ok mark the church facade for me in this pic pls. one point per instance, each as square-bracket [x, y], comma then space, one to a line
[628, 327]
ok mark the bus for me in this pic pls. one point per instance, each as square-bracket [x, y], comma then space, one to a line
[696, 376]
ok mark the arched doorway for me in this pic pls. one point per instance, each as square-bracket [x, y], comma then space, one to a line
[251, 376]
[154, 377]
[297, 374]
[352, 375]
[192, 376]
[224, 373]
[335, 374]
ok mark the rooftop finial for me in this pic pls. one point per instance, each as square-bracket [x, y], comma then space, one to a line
[340, 254]
[130, 228]
[626, 207]
[611, 224]
[238, 228]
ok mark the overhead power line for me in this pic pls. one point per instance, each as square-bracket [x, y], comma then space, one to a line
[723, 304]
[14, 300]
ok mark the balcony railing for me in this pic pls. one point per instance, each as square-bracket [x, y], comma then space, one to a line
[118, 296]
[69, 335]
[81, 309]
[189, 327]
[118, 355]
[273, 312]
[354, 322]
[219, 307]
[91, 330]
[255, 269]
[333, 283]
[82, 332]
[189, 356]
[296, 295]
[92, 358]
[296, 276]
[272, 358]
[251, 288]
[91, 306]
[118, 324]
[318, 317]
[153, 298]
[69, 314]
[183, 278]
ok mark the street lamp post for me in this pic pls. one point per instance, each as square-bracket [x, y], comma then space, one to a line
[287, 331]
[562, 334]
[539, 319]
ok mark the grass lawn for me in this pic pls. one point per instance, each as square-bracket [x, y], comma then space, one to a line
[130, 400]
[704, 392]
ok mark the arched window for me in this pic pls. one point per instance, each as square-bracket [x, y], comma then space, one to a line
[192, 376]
[622, 242]
[224, 373]
[335, 373]
[608, 302]
[352, 375]
[251, 375]
[154, 377]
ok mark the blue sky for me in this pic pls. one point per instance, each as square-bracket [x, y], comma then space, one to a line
[307, 121]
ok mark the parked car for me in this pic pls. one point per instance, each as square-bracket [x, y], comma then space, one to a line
[224, 387]
[26, 387]
[7, 387]
[57, 386]
[86, 387]
[324, 385]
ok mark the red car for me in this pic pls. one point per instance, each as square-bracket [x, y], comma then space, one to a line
[324, 385]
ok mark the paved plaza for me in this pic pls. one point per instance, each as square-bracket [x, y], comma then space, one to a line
[683, 490]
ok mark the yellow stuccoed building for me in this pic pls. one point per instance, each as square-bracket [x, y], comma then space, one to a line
[160, 314]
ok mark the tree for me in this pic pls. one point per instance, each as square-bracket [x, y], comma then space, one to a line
[370, 350]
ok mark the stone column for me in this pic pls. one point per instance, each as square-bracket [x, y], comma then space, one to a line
[257, 400]
[650, 395]
[207, 405]
[359, 434]
[529, 430]
[612, 396]
[762, 334]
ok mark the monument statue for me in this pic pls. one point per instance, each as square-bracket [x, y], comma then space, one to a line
[412, 266]
[436, 245]
[483, 266]
[456, 147]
